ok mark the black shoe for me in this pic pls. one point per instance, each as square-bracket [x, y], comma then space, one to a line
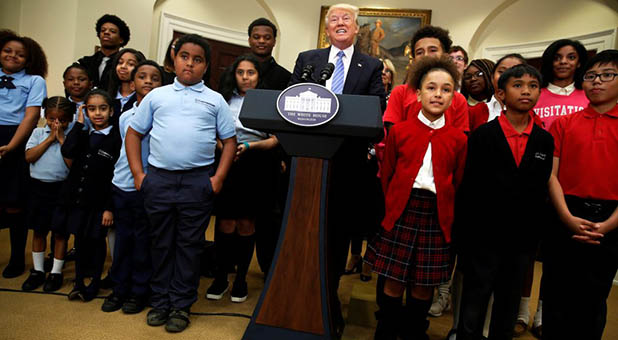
[76, 294]
[107, 282]
[53, 282]
[217, 289]
[90, 293]
[177, 321]
[239, 291]
[34, 281]
[134, 305]
[13, 270]
[112, 303]
[70, 256]
[157, 317]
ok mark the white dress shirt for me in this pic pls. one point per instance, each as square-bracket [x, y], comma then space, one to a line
[347, 59]
[424, 179]
[495, 108]
[563, 91]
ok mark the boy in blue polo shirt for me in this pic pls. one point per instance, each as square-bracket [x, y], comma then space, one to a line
[184, 120]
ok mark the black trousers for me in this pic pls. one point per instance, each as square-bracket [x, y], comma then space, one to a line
[131, 269]
[578, 277]
[486, 271]
[179, 205]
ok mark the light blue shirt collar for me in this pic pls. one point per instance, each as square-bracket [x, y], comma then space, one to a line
[105, 131]
[199, 87]
[16, 75]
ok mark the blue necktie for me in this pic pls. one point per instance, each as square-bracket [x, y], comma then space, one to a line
[337, 85]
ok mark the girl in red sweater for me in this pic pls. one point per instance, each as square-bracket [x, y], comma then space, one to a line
[423, 163]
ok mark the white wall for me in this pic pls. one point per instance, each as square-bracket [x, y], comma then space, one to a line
[534, 20]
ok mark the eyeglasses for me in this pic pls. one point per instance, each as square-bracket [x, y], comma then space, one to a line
[458, 58]
[477, 75]
[604, 77]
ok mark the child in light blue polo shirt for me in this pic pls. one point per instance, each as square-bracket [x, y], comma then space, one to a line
[130, 270]
[22, 90]
[48, 170]
[184, 120]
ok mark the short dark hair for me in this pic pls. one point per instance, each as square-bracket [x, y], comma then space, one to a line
[458, 48]
[36, 61]
[114, 81]
[602, 58]
[262, 22]
[228, 84]
[518, 71]
[422, 67]
[547, 61]
[62, 104]
[150, 63]
[99, 92]
[194, 39]
[432, 32]
[509, 56]
[124, 31]
[78, 66]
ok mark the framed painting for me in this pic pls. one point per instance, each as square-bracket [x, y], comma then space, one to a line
[384, 33]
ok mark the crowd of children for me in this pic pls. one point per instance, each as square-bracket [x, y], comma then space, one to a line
[516, 162]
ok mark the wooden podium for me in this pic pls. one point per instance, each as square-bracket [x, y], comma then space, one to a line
[295, 301]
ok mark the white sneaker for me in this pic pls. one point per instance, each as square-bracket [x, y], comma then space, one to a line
[442, 304]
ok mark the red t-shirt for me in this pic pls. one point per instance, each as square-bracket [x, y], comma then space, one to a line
[517, 141]
[587, 144]
[403, 104]
[550, 106]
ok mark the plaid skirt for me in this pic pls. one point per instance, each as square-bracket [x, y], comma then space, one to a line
[415, 250]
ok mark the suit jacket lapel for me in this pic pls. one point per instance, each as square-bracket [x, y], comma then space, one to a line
[319, 61]
[356, 67]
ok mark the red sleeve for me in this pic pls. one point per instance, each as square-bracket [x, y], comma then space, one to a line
[394, 110]
[459, 113]
[390, 159]
[557, 131]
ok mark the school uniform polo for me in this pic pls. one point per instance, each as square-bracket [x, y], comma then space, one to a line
[30, 90]
[586, 143]
[403, 104]
[50, 167]
[406, 147]
[517, 141]
[188, 121]
[243, 134]
[123, 178]
[87, 124]
[131, 269]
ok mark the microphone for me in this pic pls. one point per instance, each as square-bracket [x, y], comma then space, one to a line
[326, 72]
[307, 75]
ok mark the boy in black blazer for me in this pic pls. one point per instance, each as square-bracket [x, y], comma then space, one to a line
[503, 193]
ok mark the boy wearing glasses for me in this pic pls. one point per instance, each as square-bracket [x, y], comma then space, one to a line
[583, 252]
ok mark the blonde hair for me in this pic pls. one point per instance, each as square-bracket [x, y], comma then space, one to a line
[390, 67]
[345, 7]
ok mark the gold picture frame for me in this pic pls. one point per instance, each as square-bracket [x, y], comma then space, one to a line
[398, 26]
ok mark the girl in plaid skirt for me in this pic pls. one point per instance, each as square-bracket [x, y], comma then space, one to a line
[423, 163]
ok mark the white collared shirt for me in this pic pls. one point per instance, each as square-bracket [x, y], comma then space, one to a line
[424, 179]
[347, 60]
[562, 91]
[495, 108]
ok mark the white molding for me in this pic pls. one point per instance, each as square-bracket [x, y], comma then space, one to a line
[600, 41]
[170, 23]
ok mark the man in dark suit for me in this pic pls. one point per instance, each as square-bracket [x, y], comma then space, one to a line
[113, 33]
[362, 75]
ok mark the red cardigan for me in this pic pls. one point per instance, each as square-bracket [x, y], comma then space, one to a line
[406, 145]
